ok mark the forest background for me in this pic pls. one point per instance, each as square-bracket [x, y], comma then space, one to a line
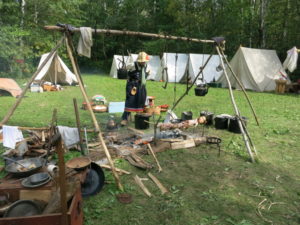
[267, 24]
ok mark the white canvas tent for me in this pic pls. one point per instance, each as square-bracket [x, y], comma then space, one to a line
[55, 71]
[256, 68]
[176, 70]
[153, 65]
[195, 61]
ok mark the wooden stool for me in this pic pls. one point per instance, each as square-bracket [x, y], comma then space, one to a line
[280, 86]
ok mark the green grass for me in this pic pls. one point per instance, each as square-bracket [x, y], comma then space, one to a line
[204, 188]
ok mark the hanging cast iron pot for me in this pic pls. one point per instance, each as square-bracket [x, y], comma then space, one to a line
[122, 71]
[201, 90]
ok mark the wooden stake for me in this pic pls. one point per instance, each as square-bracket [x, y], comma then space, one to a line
[235, 108]
[19, 99]
[95, 122]
[62, 183]
[78, 125]
[133, 33]
[117, 169]
[158, 184]
[139, 182]
[154, 156]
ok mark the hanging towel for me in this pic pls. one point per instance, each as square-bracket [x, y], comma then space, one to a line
[69, 135]
[85, 42]
[290, 62]
[11, 135]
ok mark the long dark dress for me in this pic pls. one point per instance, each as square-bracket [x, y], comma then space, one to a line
[135, 103]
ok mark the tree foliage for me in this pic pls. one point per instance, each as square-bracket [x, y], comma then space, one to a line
[271, 24]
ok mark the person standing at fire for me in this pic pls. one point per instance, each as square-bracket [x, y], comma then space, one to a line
[136, 92]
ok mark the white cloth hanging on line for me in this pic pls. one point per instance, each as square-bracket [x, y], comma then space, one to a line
[290, 62]
[11, 135]
[69, 135]
[85, 42]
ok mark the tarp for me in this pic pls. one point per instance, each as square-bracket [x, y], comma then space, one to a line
[176, 68]
[55, 71]
[256, 68]
[10, 86]
[195, 61]
[153, 65]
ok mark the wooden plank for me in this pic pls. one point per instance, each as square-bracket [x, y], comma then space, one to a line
[158, 184]
[183, 144]
[41, 195]
[154, 156]
[139, 182]
[117, 169]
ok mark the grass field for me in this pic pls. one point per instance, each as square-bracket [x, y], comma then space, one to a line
[204, 188]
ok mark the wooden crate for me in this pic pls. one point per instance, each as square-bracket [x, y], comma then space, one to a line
[75, 215]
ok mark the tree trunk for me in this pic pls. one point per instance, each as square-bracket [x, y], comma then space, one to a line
[262, 28]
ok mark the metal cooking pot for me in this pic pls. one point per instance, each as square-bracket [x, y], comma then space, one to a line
[31, 166]
[201, 90]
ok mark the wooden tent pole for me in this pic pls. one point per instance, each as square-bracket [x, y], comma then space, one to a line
[241, 85]
[133, 33]
[246, 140]
[95, 122]
[13, 108]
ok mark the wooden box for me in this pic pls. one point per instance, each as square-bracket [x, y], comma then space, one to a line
[75, 215]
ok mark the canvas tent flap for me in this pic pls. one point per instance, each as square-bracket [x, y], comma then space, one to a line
[10, 86]
[256, 68]
[153, 65]
[176, 70]
[55, 71]
[196, 61]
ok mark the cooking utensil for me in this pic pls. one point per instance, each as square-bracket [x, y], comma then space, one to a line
[22, 208]
[94, 181]
[78, 163]
[26, 183]
[15, 161]
[38, 178]
[32, 164]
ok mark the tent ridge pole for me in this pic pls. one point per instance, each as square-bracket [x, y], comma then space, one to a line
[133, 33]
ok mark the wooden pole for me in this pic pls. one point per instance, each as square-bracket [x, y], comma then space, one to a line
[139, 182]
[62, 183]
[133, 33]
[95, 122]
[235, 107]
[154, 156]
[158, 184]
[78, 125]
[241, 85]
[19, 99]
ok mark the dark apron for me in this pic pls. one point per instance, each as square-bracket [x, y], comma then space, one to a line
[135, 103]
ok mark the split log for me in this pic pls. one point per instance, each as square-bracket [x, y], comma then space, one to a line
[137, 161]
[158, 184]
[161, 146]
[154, 156]
[183, 144]
[139, 182]
[200, 140]
[117, 169]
